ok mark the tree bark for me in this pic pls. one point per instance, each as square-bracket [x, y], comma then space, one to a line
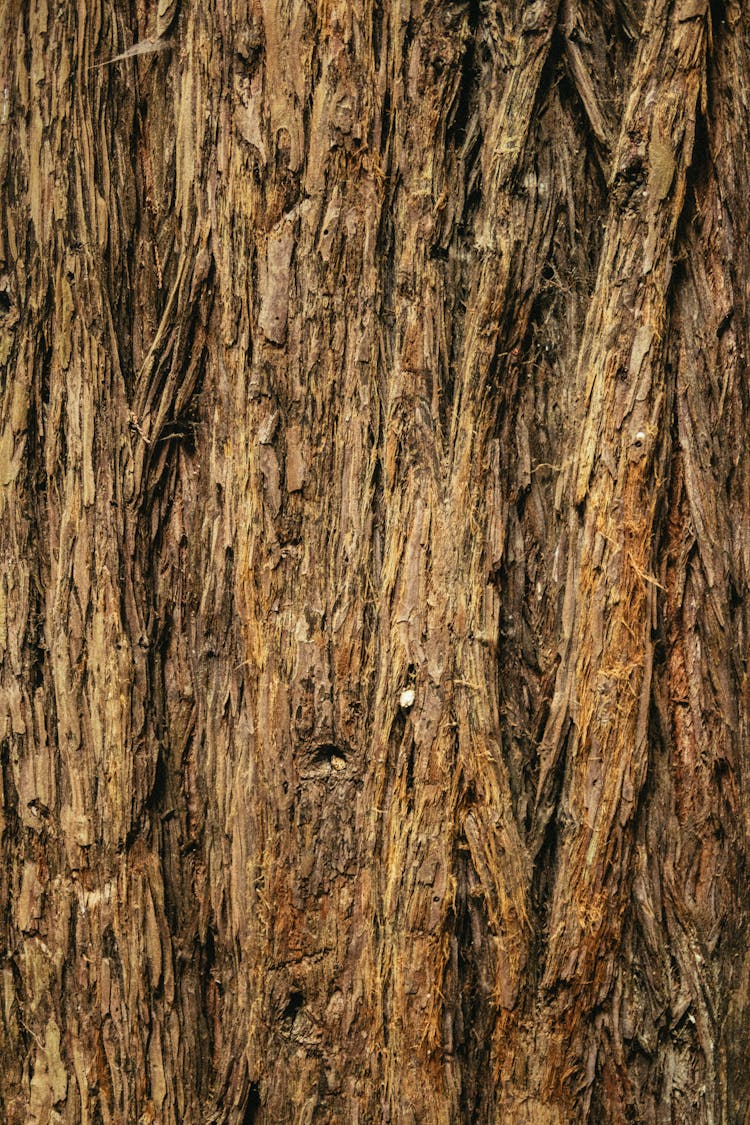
[375, 494]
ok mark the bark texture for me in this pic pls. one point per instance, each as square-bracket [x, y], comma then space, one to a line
[375, 530]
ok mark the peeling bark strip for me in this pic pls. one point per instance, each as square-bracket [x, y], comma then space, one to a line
[376, 525]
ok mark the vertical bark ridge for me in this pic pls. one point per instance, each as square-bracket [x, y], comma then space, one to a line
[94, 891]
[300, 208]
[440, 784]
[694, 809]
[616, 483]
[80, 814]
[730, 160]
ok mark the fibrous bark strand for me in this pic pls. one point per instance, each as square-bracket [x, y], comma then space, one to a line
[374, 492]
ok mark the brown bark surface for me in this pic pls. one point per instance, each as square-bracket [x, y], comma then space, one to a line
[375, 539]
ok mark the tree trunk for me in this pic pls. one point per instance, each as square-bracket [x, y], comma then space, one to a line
[375, 498]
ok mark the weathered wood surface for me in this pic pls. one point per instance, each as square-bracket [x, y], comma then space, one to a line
[375, 532]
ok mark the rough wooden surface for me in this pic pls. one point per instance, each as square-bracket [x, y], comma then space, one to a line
[375, 530]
